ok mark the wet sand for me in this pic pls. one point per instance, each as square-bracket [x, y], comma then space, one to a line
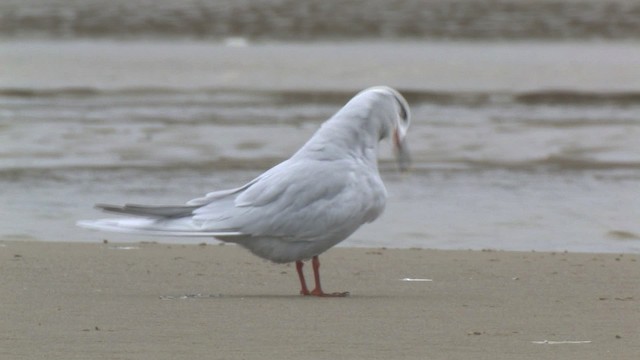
[159, 301]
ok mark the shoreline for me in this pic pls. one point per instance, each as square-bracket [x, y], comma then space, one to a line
[322, 66]
[167, 301]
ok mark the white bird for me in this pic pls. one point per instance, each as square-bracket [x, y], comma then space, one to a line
[301, 207]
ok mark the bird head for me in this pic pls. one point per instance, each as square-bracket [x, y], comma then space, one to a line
[402, 120]
[372, 115]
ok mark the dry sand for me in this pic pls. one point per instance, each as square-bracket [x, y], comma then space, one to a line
[153, 301]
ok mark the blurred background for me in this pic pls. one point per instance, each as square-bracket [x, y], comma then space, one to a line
[526, 114]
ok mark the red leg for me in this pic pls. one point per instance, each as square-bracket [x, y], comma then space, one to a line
[316, 275]
[303, 283]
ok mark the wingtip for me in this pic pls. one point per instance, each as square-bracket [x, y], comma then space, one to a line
[107, 207]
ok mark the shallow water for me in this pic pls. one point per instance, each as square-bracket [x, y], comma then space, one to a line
[517, 145]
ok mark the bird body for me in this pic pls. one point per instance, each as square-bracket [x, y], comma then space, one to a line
[301, 207]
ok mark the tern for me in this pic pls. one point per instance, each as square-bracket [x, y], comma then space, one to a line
[301, 207]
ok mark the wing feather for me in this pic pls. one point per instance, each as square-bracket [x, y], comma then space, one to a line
[149, 211]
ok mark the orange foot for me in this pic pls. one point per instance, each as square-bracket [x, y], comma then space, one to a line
[316, 274]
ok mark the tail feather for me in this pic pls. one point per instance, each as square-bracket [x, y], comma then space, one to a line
[153, 227]
[163, 221]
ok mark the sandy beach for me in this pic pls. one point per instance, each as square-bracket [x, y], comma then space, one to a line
[159, 301]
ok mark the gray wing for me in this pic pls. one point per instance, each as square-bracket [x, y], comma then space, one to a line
[297, 200]
[303, 200]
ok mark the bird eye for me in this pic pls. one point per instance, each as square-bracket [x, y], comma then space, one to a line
[403, 112]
